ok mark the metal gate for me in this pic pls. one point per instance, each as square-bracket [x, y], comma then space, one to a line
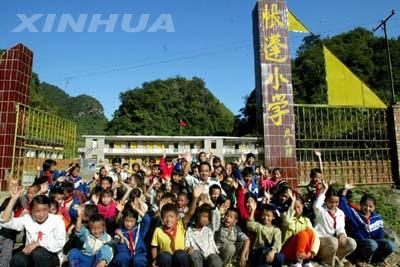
[353, 141]
[39, 136]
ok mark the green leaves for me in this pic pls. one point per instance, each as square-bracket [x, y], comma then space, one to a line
[157, 107]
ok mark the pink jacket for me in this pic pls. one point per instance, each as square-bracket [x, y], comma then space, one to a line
[109, 211]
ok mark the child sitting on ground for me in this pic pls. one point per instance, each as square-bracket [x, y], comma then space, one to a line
[130, 246]
[45, 232]
[97, 244]
[366, 227]
[330, 227]
[268, 238]
[168, 241]
[230, 240]
[108, 208]
[300, 242]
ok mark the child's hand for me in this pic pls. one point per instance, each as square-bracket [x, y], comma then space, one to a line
[81, 211]
[31, 247]
[342, 240]
[155, 180]
[15, 190]
[188, 157]
[325, 184]
[268, 195]
[120, 235]
[291, 195]
[197, 191]
[270, 256]
[253, 205]
[102, 263]
[242, 157]
[136, 204]
[317, 153]
[121, 205]
[243, 261]
[189, 250]
[154, 264]
[44, 188]
[349, 186]
[38, 168]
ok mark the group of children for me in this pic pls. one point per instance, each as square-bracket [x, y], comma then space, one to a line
[187, 212]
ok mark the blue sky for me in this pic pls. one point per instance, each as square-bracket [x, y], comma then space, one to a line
[212, 40]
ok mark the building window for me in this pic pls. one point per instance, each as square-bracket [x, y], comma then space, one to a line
[236, 146]
[94, 144]
[213, 145]
[191, 146]
[94, 157]
[176, 145]
[111, 145]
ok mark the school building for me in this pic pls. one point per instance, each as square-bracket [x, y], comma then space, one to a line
[129, 148]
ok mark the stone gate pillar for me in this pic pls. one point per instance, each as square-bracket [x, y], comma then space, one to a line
[15, 74]
[274, 86]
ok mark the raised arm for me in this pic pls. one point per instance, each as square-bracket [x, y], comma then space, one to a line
[287, 216]
[188, 158]
[78, 226]
[317, 206]
[197, 191]
[318, 154]
[15, 192]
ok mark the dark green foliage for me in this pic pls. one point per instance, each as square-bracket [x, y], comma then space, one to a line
[157, 107]
[361, 51]
[84, 110]
[245, 123]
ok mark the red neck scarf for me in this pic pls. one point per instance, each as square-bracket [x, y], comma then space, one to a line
[332, 214]
[131, 241]
[171, 233]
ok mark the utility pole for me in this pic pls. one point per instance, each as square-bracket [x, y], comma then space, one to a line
[383, 25]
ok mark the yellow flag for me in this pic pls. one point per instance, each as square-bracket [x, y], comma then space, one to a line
[295, 25]
[345, 88]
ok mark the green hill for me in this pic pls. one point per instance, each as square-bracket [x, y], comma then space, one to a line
[86, 111]
[157, 107]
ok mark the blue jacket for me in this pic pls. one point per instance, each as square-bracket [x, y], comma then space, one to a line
[93, 245]
[139, 232]
[359, 229]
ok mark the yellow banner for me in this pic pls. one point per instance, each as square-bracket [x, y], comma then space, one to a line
[295, 25]
[345, 88]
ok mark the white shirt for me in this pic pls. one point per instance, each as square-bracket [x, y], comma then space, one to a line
[114, 176]
[324, 222]
[193, 182]
[50, 234]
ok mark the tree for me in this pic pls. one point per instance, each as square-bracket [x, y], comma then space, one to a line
[245, 123]
[158, 106]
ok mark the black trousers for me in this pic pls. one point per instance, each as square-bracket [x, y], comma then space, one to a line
[39, 257]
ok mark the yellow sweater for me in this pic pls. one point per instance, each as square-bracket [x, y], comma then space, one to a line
[293, 225]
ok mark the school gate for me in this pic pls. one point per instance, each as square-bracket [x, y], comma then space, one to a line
[27, 135]
[356, 143]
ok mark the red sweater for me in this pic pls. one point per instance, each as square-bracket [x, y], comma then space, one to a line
[166, 170]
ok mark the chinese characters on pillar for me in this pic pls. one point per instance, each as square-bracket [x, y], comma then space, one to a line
[274, 86]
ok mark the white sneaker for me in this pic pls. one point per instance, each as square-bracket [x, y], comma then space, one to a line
[296, 265]
[308, 264]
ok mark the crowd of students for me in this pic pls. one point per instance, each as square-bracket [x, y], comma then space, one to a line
[187, 212]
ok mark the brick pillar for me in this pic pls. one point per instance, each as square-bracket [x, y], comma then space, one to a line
[393, 123]
[15, 74]
[274, 86]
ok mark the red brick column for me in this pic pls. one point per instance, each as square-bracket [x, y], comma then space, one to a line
[15, 74]
[274, 86]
